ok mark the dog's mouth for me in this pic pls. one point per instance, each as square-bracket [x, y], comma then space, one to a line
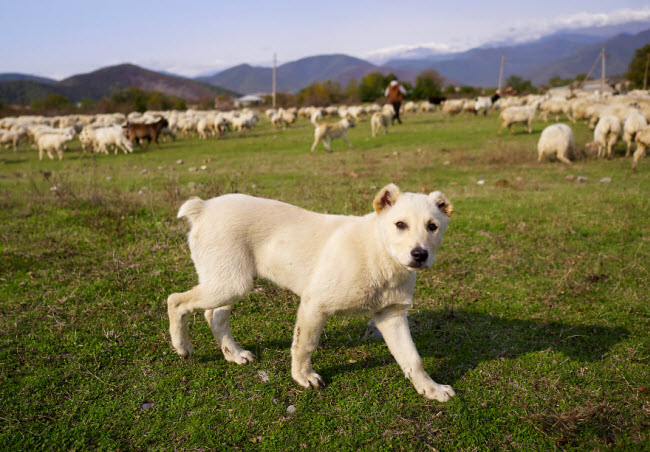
[413, 265]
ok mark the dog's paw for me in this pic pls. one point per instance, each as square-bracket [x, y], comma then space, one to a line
[238, 356]
[309, 380]
[434, 391]
[184, 350]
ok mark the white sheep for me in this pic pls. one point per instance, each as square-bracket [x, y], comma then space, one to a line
[514, 115]
[380, 119]
[482, 104]
[453, 106]
[642, 142]
[427, 107]
[112, 136]
[13, 136]
[410, 107]
[606, 134]
[634, 123]
[556, 139]
[49, 142]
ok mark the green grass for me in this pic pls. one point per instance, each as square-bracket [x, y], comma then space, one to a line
[536, 311]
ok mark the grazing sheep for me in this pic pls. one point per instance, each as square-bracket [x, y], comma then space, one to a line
[49, 142]
[203, 128]
[634, 123]
[13, 136]
[642, 142]
[606, 134]
[513, 115]
[278, 121]
[483, 104]
[469, 106]
[410, 107]
[112, 136]
[87, 138]
[427, 107]
[378, 120]
[556, 139]
[555, 106]
[453, 106]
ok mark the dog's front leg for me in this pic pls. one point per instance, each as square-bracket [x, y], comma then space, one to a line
[395, 329]
[309, 325]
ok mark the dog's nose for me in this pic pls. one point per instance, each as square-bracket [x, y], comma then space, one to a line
[419, 254]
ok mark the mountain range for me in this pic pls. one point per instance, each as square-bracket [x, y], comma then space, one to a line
[24, 88]
[298, 74]
[564, 54]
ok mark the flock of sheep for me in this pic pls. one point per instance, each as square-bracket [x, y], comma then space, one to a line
[611, 116]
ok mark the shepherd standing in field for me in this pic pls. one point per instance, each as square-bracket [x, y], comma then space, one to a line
[395, 93]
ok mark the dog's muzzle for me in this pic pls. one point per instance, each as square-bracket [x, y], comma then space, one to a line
[419, 256]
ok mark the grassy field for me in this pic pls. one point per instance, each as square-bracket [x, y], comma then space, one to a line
[536, 311]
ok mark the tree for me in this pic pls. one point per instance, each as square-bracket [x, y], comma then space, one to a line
[636, 70]
[557, 81]
[520, 85]
[372, 86]
[428, 84]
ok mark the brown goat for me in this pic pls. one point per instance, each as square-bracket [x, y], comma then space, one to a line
[138, 132]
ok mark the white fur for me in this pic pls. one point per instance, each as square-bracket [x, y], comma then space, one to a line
[642, 142]
[634, 123]
[556, 140]
[327, 132]
[336, 264]
[606, 134]
[380, 120]
[514, 115]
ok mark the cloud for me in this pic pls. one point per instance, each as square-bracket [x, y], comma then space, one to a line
[531, 31]
[518, 33]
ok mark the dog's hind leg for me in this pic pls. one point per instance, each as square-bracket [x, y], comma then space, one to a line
[181, 305]
[309, 325]
[219, 321]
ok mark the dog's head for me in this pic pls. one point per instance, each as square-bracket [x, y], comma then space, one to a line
[412, 225]
[347, 122]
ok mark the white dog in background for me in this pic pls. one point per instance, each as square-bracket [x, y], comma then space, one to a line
[380, 120]
[326, 132]
[336, 264]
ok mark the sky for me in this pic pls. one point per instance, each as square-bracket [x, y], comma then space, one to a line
[61, 38]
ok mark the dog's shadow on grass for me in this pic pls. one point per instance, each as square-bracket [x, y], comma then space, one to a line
[462, 339]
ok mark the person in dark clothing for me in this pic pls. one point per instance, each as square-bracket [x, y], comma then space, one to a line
[395, 93]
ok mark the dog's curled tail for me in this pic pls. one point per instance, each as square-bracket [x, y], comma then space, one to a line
[191, 209]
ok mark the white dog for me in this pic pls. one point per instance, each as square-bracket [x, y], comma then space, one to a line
[335, 263]
[380, 120]
[326, 132]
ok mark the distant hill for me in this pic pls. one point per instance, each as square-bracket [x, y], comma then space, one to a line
[14, 76]
[295, 75]
[103, 82]
[619, 51]
[23, 92]
[561, 54]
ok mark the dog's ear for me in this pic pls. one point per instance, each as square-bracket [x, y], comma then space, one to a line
[386, 197]
[442, 202]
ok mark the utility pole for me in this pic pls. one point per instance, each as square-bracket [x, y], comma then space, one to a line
[645, 76]
[503, 60]
[275, 65]
[602, 80]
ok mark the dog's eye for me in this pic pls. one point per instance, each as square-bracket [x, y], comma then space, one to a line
[432, 227]
[401, 225]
